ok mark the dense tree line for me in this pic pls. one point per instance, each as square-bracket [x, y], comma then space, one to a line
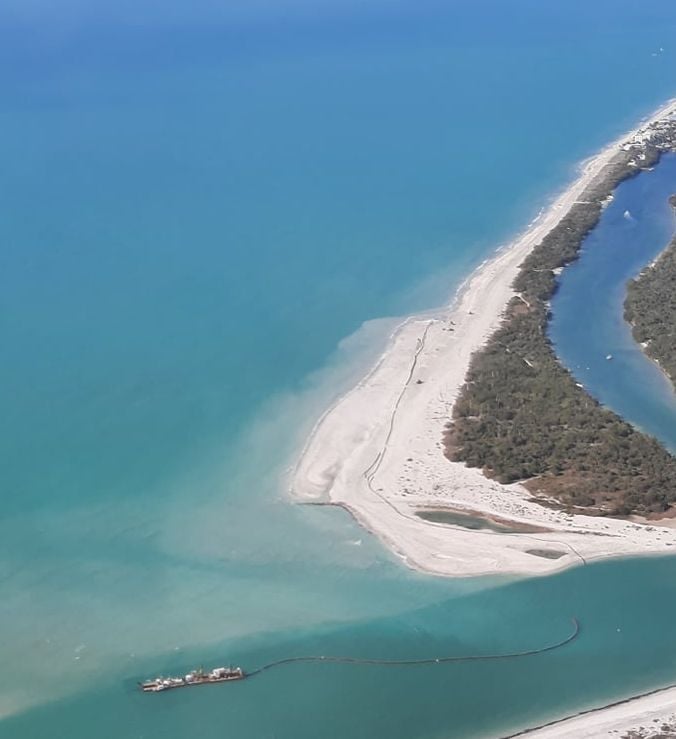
[650, 308]
[521, 416]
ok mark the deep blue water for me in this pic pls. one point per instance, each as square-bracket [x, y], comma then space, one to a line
[588, 323]
[199, 203]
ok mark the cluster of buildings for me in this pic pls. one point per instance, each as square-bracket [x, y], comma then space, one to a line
[660, 134]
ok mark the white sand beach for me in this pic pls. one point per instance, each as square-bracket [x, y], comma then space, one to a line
[644, 716]
[378, 451]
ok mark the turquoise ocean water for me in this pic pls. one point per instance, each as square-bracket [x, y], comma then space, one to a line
[211, 216]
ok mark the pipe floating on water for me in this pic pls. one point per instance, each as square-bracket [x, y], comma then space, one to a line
[425, 660]
[229, 674]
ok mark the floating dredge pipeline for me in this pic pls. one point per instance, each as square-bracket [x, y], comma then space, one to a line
[226, 674]
[422, 661]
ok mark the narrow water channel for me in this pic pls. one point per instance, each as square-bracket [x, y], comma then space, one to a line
[588, 326]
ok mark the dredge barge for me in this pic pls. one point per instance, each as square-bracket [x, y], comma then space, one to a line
[196, 677]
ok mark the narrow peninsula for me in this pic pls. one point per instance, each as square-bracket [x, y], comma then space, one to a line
[468, 449]
[521, 416]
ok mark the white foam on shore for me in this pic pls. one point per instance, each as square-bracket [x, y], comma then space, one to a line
[377, 451]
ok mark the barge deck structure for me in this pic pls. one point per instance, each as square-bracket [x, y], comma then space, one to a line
[196, 677]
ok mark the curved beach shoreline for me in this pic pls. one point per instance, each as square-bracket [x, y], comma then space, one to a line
[378, 451]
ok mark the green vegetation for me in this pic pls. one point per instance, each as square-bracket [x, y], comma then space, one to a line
[650, 308]
[521, 416]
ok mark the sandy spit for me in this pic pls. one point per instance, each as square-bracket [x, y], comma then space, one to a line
[377, 452]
